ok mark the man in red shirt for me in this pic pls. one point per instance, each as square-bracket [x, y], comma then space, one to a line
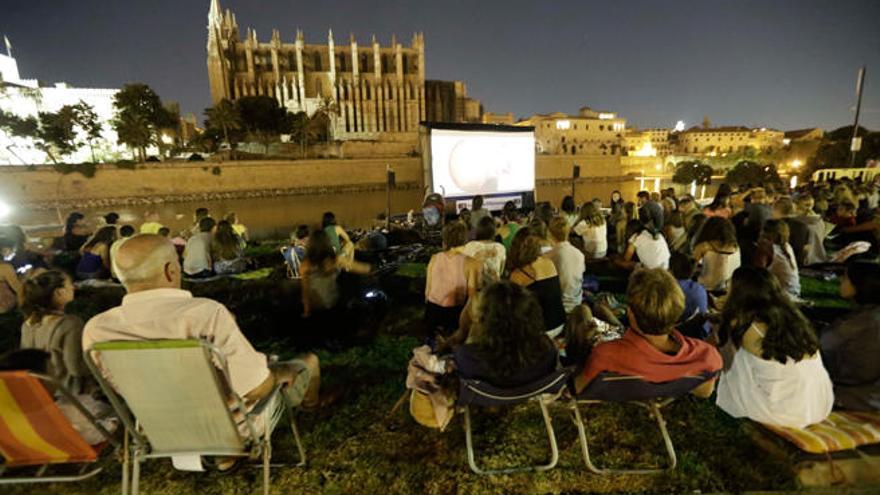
[652, 348]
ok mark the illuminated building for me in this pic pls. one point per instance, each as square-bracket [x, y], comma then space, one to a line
[29, 97]
[647, 142]
[371, 89]
[714, 141]
[587, 133]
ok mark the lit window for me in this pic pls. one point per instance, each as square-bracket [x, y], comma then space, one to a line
[563, 125]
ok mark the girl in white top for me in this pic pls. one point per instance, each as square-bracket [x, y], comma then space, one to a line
[776, 254]
[592, 228]
[776, 376]
[717, 251]
[648, 245]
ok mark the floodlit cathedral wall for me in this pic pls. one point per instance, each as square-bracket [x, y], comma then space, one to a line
[369, 89]
[26, 98]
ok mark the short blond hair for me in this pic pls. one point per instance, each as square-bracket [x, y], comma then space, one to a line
[655, 300]
[559, 228]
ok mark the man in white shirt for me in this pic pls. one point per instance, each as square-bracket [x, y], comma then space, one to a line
[197, 261]
[156, 308]
[569, 262]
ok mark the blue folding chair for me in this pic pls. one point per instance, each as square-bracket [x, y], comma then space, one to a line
[482, 394]
[612, 387]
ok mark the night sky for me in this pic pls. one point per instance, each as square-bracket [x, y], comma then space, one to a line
[783, 64]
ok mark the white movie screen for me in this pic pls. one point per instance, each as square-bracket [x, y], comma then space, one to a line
[467, 163]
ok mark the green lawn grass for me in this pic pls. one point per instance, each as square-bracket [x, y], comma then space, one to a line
[356, 447]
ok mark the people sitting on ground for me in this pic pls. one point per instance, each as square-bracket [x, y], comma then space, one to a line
[320, 271]
[151, 223]
[506, 345]
[41, 362]
[48, 328]
[14, 249]
[845, 214]
[652, 348]
[94, 263]
[799, 232]
[155, 307]
[452, 279]
[227, 250]
[76, 232]
[569, 263]
[10, 287]
[717, 251]
[338, 236]
[850, 347]
[814, 251]
[111, 218]
[720, 206]
[538, 228]
[125, 232]
[197, 261]
[464, 216]
[477, 213]
[510, 218]
[568, 209]
[593, 230]
[687, 205]
[239, 228]
[650, 210]
[776, 255]
[487, 251]
[537, 273]
[776, 375]
[646, 246]
[195, 229]
[694, 321]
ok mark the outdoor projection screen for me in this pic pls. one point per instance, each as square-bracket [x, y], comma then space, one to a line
[466, 162]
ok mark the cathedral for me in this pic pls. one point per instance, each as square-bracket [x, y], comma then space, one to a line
[364, 90]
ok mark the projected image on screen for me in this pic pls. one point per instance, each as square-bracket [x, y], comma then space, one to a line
[465, 163]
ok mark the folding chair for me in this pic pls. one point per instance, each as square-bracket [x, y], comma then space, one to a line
[482, 394]
[171, 395]
[35, 433]
[611, 387]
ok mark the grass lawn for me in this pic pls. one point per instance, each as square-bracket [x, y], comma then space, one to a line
[355, 447]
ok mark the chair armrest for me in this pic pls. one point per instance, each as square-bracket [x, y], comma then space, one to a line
[261, 404]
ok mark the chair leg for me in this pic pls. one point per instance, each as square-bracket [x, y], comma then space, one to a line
[125, 462]
[654, 409]
[297, 439]
[554, 449]
[267, 455]
[136, 472]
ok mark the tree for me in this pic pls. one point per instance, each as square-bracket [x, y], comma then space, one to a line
[834, 152]
[47, 130]
[139, 117]
[754, 173]
[690, 171]
[223, 116]
[85, 117]
[262, 118]
[300, 127]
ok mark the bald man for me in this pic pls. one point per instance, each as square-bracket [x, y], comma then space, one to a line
[156, 308]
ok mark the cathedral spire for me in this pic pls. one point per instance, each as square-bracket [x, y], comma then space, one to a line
[215, 15]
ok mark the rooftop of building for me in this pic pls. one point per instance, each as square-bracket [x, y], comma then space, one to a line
[726, 129]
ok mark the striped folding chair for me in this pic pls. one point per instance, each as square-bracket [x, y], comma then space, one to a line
[35, 434]
[482, 394]
[173, 398]
[611, 387]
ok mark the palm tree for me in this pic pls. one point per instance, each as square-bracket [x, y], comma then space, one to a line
[224, 115]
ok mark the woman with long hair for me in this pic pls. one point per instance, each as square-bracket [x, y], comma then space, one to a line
[227, 250]
[716, 249]
[592, 228]
[776, 376]
[617, 202]
[569, 210]
[452, 278]
[851, 345]
[95, 260]
[719, 207]
[506, 346]
[48, 328]
[337, 235]
[776, 254]
[537, 273]
[645, 243]
[76, 232]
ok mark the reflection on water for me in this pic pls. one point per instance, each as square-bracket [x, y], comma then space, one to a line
[277, 217]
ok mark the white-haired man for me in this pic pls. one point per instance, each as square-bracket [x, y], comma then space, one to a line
[156, 308]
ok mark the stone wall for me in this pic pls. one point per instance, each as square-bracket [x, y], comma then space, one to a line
[45, 187]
